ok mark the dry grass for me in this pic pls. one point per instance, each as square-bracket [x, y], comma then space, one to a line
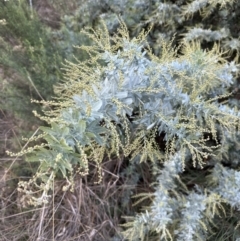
[92, 212]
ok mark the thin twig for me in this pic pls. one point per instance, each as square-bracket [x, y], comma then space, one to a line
[16, 158]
